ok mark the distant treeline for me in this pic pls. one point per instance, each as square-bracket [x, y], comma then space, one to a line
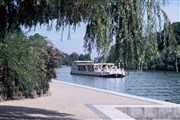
[68, 59]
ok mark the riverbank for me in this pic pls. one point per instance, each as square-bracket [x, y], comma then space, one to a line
[152, 84]
[72, 102]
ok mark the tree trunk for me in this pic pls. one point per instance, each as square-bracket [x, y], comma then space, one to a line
[176, 65]
[2, 23]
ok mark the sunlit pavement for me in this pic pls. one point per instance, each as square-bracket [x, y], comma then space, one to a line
[70, 102]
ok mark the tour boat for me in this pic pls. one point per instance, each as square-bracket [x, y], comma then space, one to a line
[96, 69]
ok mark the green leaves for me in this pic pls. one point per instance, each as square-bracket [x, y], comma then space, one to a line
[28, 65]
[131, 25]
[18, 61]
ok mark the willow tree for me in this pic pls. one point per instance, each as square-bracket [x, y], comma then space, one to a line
[130, 23]
[133, 25]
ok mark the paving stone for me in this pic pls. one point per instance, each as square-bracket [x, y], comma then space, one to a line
[165, 113]
[136, 112]
[176, 113]
[150, 113]
[124, 110]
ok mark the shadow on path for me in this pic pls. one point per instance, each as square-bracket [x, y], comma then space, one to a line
[26, 113]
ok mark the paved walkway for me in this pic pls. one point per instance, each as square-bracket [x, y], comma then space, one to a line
[74, 102]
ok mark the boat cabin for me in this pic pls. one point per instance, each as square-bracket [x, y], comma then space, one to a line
[96, 69]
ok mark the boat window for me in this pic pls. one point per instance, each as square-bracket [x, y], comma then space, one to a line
[90, 68]
[81, 68]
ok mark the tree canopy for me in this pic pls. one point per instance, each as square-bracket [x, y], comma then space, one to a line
[127, 22]
[167, 58]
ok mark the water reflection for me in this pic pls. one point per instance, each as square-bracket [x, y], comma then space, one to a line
[153, 84]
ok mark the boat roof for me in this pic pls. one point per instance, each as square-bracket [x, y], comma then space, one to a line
[90, 62]
[84, 61]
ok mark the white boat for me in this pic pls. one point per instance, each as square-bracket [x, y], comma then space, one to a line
[96, 69]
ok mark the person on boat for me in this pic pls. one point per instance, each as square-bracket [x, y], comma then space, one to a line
[96, 68]
[105, 68]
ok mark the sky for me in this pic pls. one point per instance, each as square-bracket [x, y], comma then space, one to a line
[75, 43]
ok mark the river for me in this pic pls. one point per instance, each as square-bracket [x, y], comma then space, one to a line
[152, 84]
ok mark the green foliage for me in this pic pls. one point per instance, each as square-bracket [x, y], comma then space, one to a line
[18, 64]
[68, 59]
[133, 26]
[130, 24]
[74, 56]
[176, 30]
[168, 46]
[28, 65]
[84, 57]
[161, 53]
[65, 60]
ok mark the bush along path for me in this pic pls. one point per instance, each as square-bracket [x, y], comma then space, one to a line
[27, 64]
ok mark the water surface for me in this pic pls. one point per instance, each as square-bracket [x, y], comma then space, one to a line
[152, 84]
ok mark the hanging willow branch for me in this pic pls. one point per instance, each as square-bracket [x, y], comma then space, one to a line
[132, 24]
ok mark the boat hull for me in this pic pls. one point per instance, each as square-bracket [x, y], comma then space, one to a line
[98, 74]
